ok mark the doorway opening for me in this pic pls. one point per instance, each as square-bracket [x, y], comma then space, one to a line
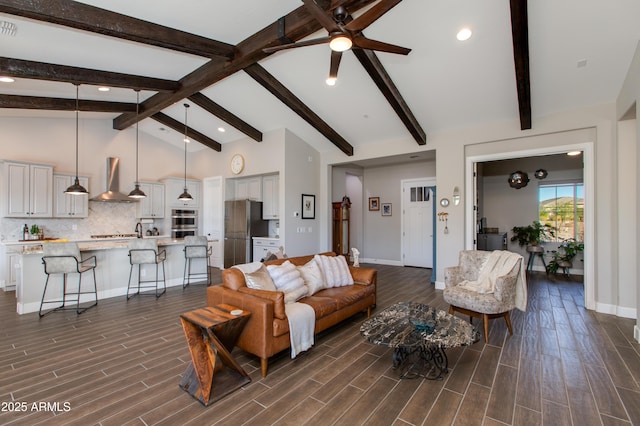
[472, 220]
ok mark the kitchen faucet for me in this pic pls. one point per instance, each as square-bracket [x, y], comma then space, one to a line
[139, 230]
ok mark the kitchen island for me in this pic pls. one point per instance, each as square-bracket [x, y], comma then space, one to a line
[112, 271]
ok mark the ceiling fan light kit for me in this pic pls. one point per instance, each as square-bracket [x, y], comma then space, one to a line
[340, 43]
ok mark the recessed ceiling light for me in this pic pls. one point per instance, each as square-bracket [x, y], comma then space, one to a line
[187, 140]
[222, 129]
[331, 81]
[103, 89]
[574, 153]
[464, 34]
[6, 79]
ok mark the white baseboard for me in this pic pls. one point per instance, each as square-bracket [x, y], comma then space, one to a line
[381, 261]
[440, 285]
[636, 333]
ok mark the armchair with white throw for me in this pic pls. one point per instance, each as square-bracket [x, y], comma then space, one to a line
[486, 285]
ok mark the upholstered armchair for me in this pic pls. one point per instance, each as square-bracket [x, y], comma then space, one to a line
[486, 287]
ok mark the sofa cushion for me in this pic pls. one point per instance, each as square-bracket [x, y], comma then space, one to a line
[335, 270]
[347, 295]
[322, 306]
[312, 276]
[288, 280]
[260, 279]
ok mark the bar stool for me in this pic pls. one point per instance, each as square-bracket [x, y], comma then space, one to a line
[195, 248]
[145, 252]
[64, 258]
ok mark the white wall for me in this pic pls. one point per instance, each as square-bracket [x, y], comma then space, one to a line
[300, 176]
[383, 234]
[628, 104]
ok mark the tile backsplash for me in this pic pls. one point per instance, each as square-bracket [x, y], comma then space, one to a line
[104, 218]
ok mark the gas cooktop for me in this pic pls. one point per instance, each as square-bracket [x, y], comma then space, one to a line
[107, 236]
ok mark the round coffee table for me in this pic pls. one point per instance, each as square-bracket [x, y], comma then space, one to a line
[419, 335]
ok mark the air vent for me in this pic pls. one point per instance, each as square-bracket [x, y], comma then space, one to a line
[8, 28]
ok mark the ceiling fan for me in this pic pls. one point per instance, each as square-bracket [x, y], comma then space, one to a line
[345, 33]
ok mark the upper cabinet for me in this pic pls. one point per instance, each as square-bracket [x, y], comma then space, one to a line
[152, 206]
[249, 188]
[175, 186]
[65, 205]
[270, 196]
[28, 190]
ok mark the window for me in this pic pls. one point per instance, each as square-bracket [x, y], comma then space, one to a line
[561, 205]
[420, 193]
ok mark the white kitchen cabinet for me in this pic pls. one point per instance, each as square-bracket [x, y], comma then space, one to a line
[28, 189]
[152, 206]
[249, 188]
[264, 246]
[270, 196]
[175, 186]
[65, 205]
[13, 270]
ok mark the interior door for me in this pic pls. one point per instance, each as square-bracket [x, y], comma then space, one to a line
[417, 222]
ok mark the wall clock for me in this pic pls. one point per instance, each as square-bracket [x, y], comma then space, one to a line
[237, 164]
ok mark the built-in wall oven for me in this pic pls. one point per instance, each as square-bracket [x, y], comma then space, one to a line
[184, 222]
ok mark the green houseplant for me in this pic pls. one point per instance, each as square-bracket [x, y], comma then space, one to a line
[563, 257]
[532, 234]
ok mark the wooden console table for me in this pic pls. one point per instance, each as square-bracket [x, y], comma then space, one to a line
[211, 334]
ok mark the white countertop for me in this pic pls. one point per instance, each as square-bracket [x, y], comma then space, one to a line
[266, 238]
[35, 246]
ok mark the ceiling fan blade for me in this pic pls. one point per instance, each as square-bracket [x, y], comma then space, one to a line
[335, 63]
[322, 16]
[312, 42]
[367, 18]
[366, 43]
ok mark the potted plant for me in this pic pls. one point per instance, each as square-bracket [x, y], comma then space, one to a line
[531, 235]
[563, 257]
[35, 231]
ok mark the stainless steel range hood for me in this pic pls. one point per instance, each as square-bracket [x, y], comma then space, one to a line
[113, 194]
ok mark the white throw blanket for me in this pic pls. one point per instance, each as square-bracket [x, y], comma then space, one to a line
[302, 320]
[499, 263]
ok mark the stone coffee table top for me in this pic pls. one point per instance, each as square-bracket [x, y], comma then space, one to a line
[395, 327]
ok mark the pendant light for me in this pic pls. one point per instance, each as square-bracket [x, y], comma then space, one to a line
[137, 192]
[76, 188]
[185, 196]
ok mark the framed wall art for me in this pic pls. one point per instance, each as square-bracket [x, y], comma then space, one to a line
[374, 204]
[386, 209]
[308, 206]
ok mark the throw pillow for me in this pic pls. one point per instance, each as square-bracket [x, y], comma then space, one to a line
[335, 270]
[260, 279]
[312, 276]
[288, 280]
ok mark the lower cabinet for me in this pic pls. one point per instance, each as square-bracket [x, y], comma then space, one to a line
[264, 246]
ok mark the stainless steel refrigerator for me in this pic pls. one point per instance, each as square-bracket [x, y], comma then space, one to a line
[242, 221]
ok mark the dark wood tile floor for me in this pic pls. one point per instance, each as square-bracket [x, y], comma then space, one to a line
[120, 364]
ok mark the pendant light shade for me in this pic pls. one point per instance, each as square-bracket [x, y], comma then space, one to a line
[137, 192]
[185, 196]
[76, 188]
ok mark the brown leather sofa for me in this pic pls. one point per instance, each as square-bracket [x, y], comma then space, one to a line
[267, 331]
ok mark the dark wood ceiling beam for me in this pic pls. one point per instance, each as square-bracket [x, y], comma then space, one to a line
[191, 133]
[52, 72]
[379, 75]
[278, 90]
[298, 24]
[520, 35]
[61, 104]
[94, 19]
[213, 108]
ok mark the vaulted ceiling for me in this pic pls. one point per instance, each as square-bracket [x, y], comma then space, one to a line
[520, 63]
